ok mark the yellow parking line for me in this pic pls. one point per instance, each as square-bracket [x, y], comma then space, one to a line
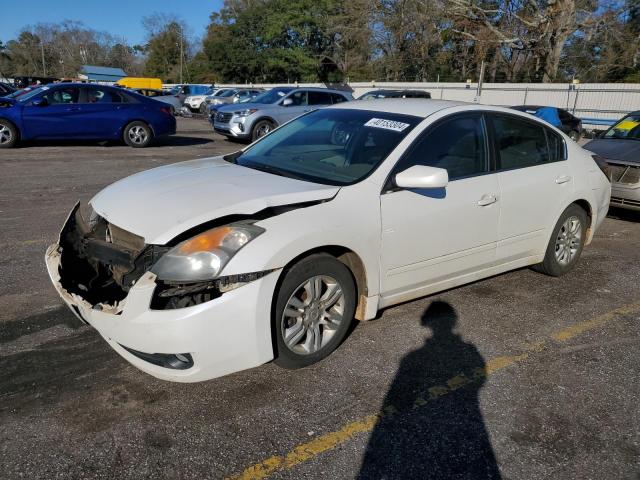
[579, 328]
[307, 451]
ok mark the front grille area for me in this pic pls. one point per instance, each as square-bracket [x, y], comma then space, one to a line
[101, 262]
[223, 117]
[625, 174]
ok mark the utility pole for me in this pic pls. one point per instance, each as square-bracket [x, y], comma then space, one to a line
[480, 81]
[44, 68]
[181, 53]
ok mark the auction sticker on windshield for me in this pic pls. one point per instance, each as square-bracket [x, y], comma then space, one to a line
[386, 124]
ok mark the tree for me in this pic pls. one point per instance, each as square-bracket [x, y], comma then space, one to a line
[167, 48]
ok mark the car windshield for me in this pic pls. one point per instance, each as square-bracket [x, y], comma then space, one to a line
[227, 93]
[24, 97]
[272, 96]
[329, 146]
[627, 128]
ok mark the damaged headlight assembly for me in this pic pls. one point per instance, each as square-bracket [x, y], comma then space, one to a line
[203, 257]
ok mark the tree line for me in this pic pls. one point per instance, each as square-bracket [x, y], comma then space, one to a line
[360, 40]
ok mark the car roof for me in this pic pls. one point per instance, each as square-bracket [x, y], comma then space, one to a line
[395, 90]
[537, 107]
[319, 89]
[418, 107]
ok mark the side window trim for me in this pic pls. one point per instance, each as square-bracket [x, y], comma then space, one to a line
[490, 164]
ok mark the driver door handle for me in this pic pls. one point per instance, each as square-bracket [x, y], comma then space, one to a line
[563, 179]
[487, 200]
[73, 109]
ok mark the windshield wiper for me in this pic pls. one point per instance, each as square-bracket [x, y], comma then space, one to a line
[273, 170]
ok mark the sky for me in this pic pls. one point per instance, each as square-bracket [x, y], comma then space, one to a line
[121, 18]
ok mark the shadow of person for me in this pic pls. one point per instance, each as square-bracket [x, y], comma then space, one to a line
[431, 425]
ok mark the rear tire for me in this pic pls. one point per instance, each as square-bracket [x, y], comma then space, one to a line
[574, 135]
[314, 308]
[137, 135]
[8, 134]
[566, 243]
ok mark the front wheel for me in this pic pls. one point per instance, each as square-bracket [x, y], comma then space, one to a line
[574, 135]
[8, 134]
[315, 305]
[566, 244]
[138, 135]
[261, 128]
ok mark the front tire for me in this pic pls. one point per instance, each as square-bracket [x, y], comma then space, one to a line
[138, 135]
[566, 243]
[8, 134]
[315, 306]
[261, 128]
[574, 135]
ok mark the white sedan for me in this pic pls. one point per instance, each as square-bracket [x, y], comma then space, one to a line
[199, 269]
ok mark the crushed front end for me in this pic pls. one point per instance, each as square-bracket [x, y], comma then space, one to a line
[178, 332]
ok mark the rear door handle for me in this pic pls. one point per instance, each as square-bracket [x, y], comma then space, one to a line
[73, 109]
[487, 200]
[563, 179]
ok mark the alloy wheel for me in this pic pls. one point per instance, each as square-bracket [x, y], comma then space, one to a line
[138, 135]
[313, 314]
[5, 134]
[568, 240]
[263, 130]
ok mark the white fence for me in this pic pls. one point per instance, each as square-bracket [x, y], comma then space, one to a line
[593, 102]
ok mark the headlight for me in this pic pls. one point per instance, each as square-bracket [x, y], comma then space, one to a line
[204, 256]
[245, 113]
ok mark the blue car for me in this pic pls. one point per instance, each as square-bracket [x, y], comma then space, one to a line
[83, 111]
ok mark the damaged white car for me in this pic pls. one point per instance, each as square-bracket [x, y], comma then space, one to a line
[199, 269]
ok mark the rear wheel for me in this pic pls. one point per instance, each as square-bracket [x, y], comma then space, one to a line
[138, 135]
[574, 135]
[566, 243]
[315, 305]
[261, 128]
[8, 134]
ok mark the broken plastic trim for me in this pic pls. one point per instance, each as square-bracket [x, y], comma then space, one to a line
[170, 296]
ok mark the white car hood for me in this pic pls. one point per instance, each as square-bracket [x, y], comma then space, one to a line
[161, 203]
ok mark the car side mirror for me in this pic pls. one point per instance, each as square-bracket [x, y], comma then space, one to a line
[420, 176]
[40, 102]
[286, 102]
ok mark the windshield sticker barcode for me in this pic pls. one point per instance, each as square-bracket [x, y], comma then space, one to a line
[386, 124]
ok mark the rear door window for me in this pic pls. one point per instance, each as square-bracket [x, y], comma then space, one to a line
[98, 95]
[519, 143]
[319, 98]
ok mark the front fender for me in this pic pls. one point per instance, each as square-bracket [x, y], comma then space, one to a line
[350, 220]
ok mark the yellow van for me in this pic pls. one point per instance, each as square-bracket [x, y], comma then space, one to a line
[135, 82]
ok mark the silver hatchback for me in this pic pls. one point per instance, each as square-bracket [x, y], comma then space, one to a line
[252, 120]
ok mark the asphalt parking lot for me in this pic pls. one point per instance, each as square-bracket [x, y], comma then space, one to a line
[520, 376]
